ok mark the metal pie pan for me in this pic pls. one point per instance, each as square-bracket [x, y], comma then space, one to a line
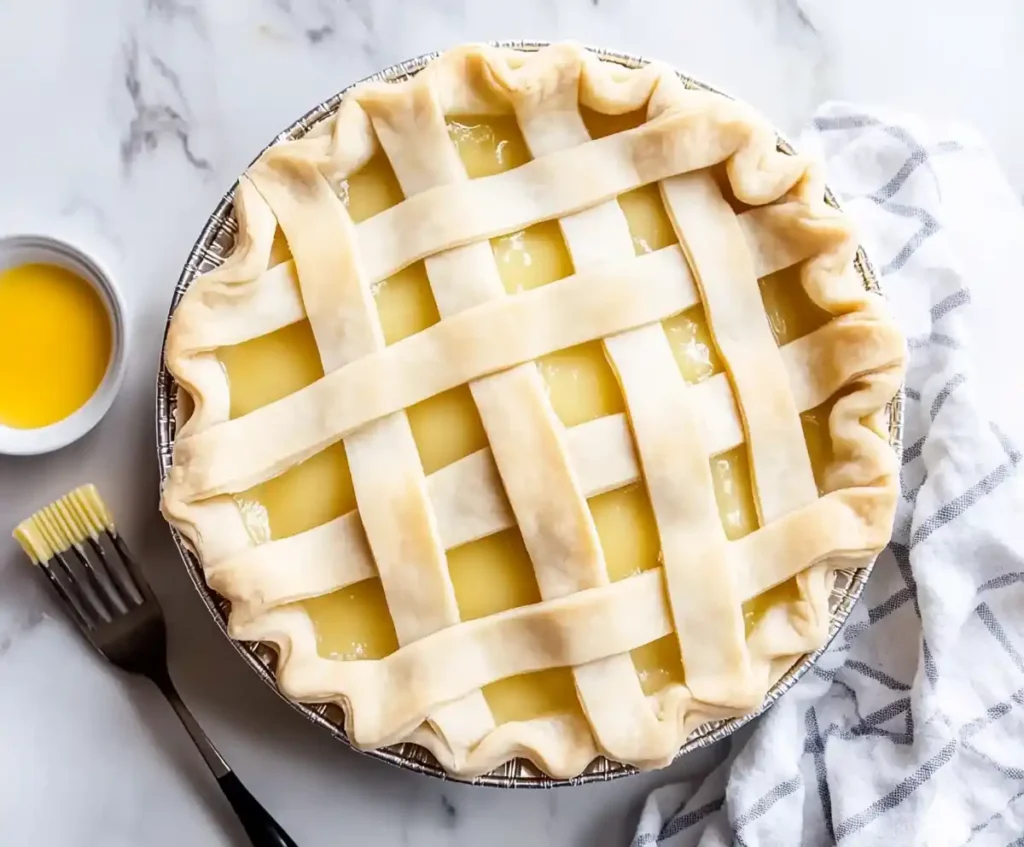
[214, 244]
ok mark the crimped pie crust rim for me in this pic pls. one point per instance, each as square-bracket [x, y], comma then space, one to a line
[862, 268]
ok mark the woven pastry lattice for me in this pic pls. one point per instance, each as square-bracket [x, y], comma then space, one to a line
[537, 474]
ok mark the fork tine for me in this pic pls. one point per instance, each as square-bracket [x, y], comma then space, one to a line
[89, 512]
[133, 576]
[92, 512]
[89, 607]
[38, 542]
[117, 571]
[86, 583]
[74, 607]
[94, 567]
[64, 575]
[99, 581]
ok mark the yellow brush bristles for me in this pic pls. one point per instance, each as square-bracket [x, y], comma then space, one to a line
[66, 522]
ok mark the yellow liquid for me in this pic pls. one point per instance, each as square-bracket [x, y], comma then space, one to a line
[55, 343]
[495, 573]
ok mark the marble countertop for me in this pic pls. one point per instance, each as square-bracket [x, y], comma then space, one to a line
[124, 123]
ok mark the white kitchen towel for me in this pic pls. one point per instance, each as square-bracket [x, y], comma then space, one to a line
[910, 729]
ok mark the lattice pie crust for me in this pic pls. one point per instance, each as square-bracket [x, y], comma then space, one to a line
[537, 473]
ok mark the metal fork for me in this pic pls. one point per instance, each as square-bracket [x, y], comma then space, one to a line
[116, 610]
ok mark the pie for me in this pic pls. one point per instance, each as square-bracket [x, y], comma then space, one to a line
[534, 411]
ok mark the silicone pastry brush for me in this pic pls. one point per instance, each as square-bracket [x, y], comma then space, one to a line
[75, 544]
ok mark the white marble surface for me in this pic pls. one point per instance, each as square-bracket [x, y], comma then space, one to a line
[123, 123]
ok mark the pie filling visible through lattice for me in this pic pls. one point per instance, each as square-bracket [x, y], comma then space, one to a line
[594, 433]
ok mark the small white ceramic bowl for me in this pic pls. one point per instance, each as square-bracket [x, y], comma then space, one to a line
[26, 249]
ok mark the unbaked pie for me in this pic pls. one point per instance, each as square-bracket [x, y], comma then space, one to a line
[533, 411]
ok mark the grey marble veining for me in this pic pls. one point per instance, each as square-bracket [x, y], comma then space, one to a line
[124, 123]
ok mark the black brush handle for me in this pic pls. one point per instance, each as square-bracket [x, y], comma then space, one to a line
[262, 829]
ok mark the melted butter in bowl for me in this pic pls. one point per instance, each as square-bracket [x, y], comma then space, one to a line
[55, 344]
[62, 344]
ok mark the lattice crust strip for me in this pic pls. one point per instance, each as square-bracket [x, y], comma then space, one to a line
[429, 690]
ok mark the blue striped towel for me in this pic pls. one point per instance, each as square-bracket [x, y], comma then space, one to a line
[910, 730]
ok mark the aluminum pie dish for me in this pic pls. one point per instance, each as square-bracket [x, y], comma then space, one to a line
[214, 244]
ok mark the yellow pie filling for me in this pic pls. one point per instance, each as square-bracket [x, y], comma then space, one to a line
[495, 573]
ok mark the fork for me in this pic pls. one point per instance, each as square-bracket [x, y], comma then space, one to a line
[77, 547]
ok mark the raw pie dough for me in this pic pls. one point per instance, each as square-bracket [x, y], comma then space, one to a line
[653, 599]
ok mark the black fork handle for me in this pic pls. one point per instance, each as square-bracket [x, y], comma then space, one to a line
[262, 829]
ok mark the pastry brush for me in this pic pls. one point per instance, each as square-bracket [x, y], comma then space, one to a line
[76, 546]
